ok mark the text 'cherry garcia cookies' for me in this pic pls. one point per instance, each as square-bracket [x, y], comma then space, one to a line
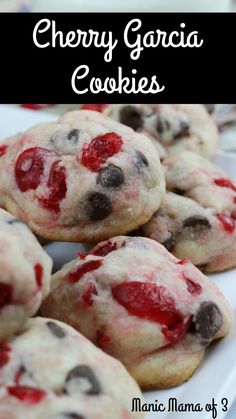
[139, 303]
[83, 178]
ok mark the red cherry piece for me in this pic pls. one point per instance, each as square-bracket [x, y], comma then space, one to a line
[29, 168]
[183, 262]
[100, 149]
[6, 291]
[89, 266]
[174, 333]
[4, 354]
[36, 106]
[91, 107]
[227, 221]
[39, 274]
[104, 250]
[57, 187]
[102, 339]
[88, 295]
[3, 149]
[82, 255]
[151, 302]
[225, 183]
[234, 199]
[29, 395]
[193, 288]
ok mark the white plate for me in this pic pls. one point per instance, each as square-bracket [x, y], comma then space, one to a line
[216, 377]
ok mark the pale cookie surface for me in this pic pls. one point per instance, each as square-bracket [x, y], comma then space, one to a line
[51, 371]
[82, 178]
[190, 231]
[195, 177]
[173, 127]
[25, 273]
[142, 305]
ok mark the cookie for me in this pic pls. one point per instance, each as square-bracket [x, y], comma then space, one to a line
[83, 178]
[139, 303]
[174, 127]
[195, 177]
[25, 274]
[190, 231]
[51, 371]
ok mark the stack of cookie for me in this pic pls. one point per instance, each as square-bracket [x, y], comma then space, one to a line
[95, 176]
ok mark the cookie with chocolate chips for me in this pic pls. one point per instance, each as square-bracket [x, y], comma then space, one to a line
[139, 303]
[25, 273]
[83, 178]
[174, 127]
[52, 371]
[190, 231]
[201, 214]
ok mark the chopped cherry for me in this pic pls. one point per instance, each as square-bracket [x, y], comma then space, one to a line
[102, 339]
[29, 168]
[89, 266]
[234, 200]
[4, 354]
[87, 297]
[104, 250]
[177, 331]
[183, 262]
[100, 149]
[225, 183]
[193, 288]
[82, 255]
[29, 395]
[39, 274]
[227, 221]
[57, 187]
[91, 107]
[3, 149]
[152, 302]
[6, 291]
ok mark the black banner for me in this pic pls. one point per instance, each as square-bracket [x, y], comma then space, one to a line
[117, 57]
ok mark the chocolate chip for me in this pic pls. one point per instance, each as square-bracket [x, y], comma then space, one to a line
[169, 243]
[195, 221]
[84, 380]
[131, 116]
[55, 329]
[140, 161]
[99, 206]
[183, 130]
[111, 177]
[61, 137]
[162, 125]
[208, 321]
[73, 135]
[210, 108]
